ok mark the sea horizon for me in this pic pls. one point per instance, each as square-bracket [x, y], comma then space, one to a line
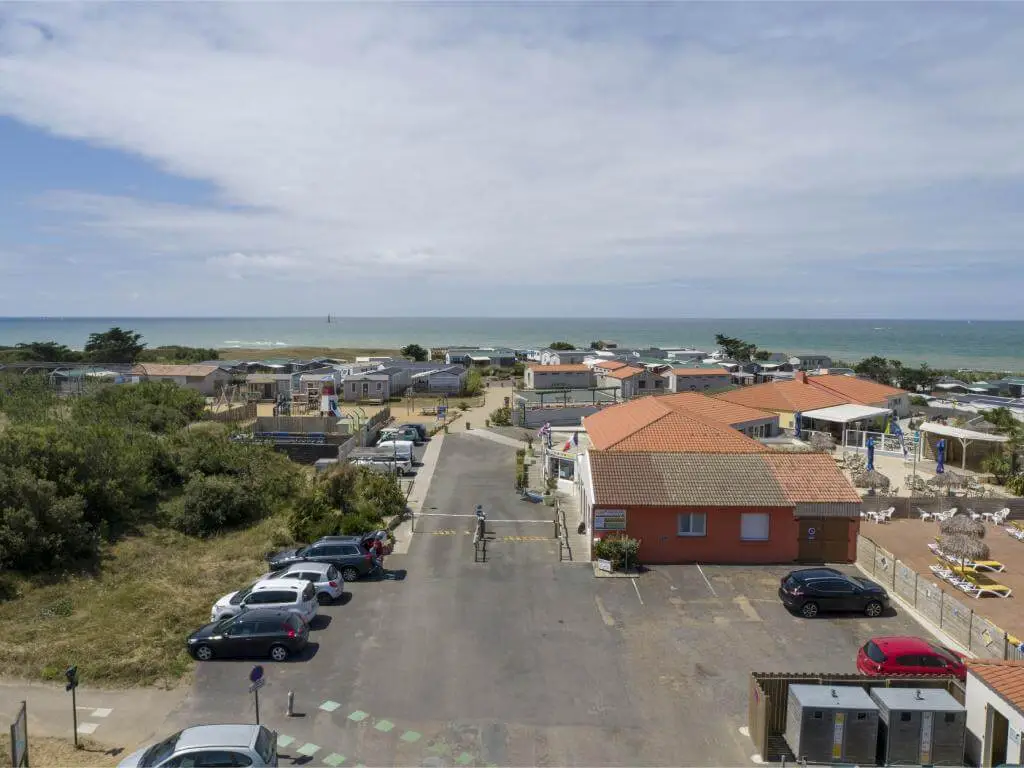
[996, 345]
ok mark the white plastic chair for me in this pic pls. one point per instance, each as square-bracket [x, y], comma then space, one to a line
[885, 515]
[925, 515]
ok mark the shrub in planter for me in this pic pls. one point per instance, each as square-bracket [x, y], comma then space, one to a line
[618, 549]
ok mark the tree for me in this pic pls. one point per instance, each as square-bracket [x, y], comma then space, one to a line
[474, 383]
[561, 345]
[44, 352]
[501, 417]
[878, 368]
[737, 349]
[114, 346]
[762, 354]
[920, 379]
[415, 352]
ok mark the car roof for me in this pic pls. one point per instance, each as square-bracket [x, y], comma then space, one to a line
[902, 644]
[256, 614]
[817, 573]
[337, 538]
[279, 584]
[305, 565]
[226, 735]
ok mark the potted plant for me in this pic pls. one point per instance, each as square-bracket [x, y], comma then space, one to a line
[549, 493]
[529, 445]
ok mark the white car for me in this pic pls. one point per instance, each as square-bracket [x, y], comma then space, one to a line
[296, 595]
[229, 744]
[324, 576]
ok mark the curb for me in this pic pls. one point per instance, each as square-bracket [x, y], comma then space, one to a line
[924, 622]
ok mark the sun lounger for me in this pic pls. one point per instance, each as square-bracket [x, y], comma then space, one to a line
[992, 566]
[982, 585]
[944, 572]
[1017, 533]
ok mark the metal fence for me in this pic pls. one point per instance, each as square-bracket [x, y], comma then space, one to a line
[959, 621]
[909, 507]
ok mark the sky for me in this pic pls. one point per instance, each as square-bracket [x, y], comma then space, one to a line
[477, 159]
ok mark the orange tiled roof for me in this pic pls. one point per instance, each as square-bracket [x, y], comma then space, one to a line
[625, 372]
[610, 365]
[699, 372]
[656, 478]
[649, 424]
[857, 390]
[1004, 677]
[567, 368]
[713, 409]
[790, 396]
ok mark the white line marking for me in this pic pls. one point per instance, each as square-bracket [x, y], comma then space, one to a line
[489, 519]
[706, 580]
[87, 728]
[756, 759]
[101, 712]
[637, 591]
[748, 610]
[744, 731]
[605, 616]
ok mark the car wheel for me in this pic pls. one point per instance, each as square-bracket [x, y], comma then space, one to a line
[350, 573]
[204, 653]
[323, 598]
[809, 610]
[873, 609]
[278, 653]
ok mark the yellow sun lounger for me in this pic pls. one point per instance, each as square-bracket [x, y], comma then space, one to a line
[983, 585]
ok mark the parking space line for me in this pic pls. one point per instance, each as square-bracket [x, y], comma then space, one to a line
[308, 750]
[704, 575]
[748, 610]
[605, 616]
[284, 741]
[334, 759]
[101, 712]
[358, 716]
[637, 591]
[384, 726]
[87, 728]
[329, 706]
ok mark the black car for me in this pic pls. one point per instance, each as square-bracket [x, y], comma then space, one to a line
[346, 553]
[258, 632]
[811, 590]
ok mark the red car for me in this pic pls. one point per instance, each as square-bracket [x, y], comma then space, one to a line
[883, 656]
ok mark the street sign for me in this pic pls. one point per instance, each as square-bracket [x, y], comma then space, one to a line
[256, 674]
[257, 685]
[604, 565]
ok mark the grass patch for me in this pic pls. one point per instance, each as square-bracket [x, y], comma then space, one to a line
[304, 353]
[45, 751]
[127, 625]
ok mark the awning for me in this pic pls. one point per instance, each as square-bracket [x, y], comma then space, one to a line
[844, 414]
[960, 433]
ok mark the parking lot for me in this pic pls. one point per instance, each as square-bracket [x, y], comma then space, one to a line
[523, 660]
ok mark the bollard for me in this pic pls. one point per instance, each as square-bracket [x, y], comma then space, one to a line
[291, 704]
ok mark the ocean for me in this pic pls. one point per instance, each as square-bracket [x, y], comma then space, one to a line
[980, 345]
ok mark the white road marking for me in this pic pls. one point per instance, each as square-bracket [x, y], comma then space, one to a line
[87, 728]
[756, 759]
[747, 609]
[101, 712]
[704, 575]
[605, 616]
[637, 591]
[489, 519]
[744, 731]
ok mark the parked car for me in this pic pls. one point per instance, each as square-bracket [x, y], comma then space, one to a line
[901, 655]
[400, 448]
[404, 432]
[209, 745]
[424, 435]
[296, 595]
[259, 632]
[345, 553]
[810, 590]
[325, 578]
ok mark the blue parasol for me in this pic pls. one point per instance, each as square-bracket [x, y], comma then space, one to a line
[940, 456]
[796, 424]
[871, 454]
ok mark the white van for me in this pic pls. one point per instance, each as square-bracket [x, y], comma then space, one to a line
[400, 448]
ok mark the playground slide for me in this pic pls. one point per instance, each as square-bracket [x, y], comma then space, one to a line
[337, 411]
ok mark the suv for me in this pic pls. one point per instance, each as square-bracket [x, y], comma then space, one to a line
[324, 576]
[213, 745]
[345, 553]
[811, 590]
[260, 632]
[292, 594]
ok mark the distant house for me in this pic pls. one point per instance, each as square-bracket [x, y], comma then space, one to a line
[450, 379]
[813, 362]
[632, 381]
[206, 379]
[563, 356]
[698, 379]
[268, 386]
[481, 357]
[379, 385]
[558, 377]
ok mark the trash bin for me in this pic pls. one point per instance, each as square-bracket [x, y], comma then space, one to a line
[467, 425]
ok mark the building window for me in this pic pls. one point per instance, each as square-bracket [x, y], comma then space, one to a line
[754, 526]
[379, 385]
[693, 387]
[692, 524]
[642, 384]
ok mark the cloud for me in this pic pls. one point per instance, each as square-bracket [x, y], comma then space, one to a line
[623, 145]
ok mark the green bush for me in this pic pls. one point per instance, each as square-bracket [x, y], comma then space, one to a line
[621, 550]
[157, 406]
[345, 500]
[501, 417]
[352, 525]
[212, 503]
[312, 516]
[1015, 484]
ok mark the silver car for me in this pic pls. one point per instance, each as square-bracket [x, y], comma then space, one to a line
[325, 577]
[209, 745]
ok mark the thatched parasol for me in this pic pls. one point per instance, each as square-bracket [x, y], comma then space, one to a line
[871, 479]
[961, 525]
[963, 547]
[948, 480]
[822, 442]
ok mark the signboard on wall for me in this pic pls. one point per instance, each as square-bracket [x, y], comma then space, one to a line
[609, 519]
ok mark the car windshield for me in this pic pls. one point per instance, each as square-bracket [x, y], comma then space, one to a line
[873, 652]
[160, 751]
[944, 653]
[266, 745]
[240, 595]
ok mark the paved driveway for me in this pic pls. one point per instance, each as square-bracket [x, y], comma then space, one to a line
[523, 660]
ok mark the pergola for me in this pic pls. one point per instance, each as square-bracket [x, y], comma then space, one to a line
[843, 416]
[965, 436]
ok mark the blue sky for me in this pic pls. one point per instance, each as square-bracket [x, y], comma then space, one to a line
[726, 159]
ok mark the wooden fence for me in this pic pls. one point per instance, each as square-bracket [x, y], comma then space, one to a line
[769, 700]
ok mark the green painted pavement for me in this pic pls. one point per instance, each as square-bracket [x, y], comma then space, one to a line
[329, 706]
[284, 741]
[464, 759]
[358, 716]
[334, 759]
[384, 726]
[308, 750]
[411, 736]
